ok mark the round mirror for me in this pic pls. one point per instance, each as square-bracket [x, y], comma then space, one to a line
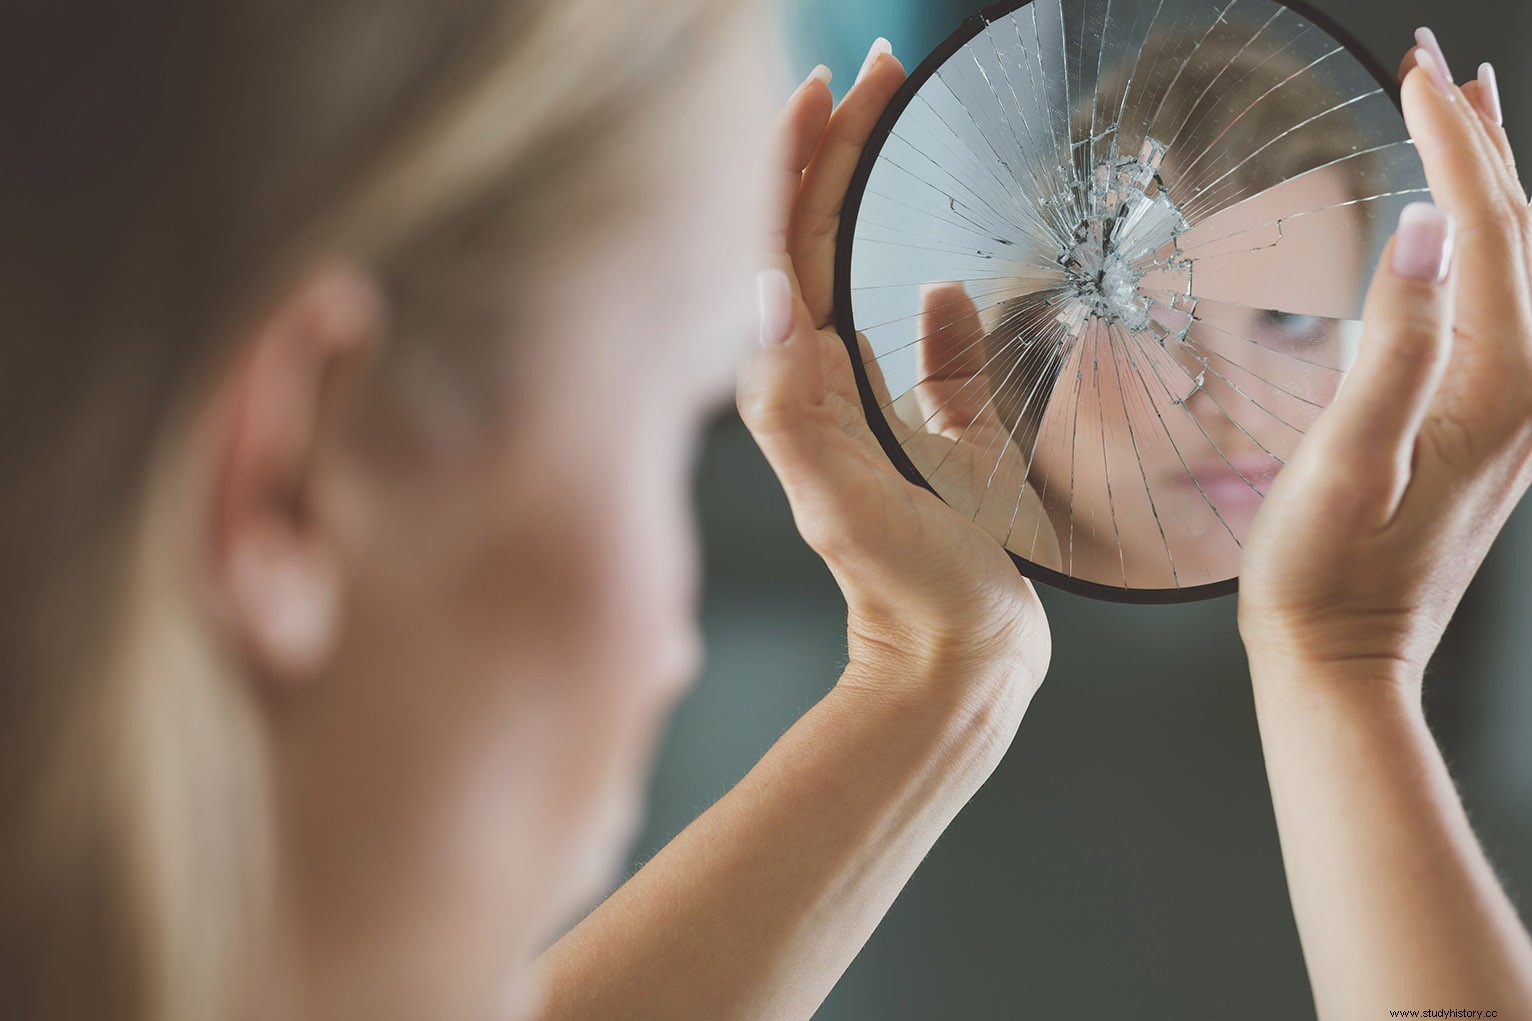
[1103, 264]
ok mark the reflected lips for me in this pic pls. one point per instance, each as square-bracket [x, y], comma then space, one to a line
[1228, 485]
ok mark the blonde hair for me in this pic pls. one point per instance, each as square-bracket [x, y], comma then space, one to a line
[171, 170]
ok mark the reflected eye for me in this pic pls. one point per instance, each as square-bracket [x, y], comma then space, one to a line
[1291, 329]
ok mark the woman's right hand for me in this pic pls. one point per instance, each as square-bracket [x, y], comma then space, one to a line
[938, 616]
[1372, 533]
[757, 908]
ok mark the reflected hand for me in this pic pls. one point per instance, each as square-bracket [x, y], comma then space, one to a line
[1372, 533]
[938, 615]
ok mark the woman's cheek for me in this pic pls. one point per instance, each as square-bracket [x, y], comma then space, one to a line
[654, 564]
[641, 652]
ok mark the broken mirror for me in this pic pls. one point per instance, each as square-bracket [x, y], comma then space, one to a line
[1103, 264]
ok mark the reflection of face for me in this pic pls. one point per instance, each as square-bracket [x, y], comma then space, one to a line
[1152, 461]
[524, 617]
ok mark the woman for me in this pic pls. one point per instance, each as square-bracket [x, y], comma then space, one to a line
[349, 576]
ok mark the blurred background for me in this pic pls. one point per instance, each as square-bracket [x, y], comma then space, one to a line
[1123, 860]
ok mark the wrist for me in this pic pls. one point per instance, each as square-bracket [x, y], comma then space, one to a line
[1362, 683]
[1369, 643]
[944, 656]
[970, 714]
[945, 670]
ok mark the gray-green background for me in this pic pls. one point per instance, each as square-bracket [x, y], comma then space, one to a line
[1123, 860]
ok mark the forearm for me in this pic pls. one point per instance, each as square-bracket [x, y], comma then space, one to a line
[758, 907]
[1396, 905]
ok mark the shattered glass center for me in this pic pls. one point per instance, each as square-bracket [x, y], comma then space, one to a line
[1127, 230]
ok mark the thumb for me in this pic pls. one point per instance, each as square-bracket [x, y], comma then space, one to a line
[951, 362]
[1365, 442]
[781, 393]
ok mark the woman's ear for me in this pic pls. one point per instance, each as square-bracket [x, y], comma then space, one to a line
[276, 566]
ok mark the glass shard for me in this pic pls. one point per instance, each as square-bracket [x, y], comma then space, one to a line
[1105, 267]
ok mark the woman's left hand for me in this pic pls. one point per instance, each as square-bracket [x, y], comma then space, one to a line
[1373, 531]
[1357, 560]
[937, 611]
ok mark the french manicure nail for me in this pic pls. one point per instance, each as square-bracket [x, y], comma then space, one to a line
[880, 46]
[1433, 60]
[821, 73]
[776, 307]
[1433, 71]
[1423, 244]
[1489, 94]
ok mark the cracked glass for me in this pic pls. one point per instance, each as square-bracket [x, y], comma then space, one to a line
[1104, 264]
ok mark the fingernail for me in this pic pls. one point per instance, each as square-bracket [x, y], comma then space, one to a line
[1489, 94]
[776, 307]
[879, 47]
[1433, 60]
[1423, 244]
[819, 74]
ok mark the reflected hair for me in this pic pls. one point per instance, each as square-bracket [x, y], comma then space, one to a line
[1219, 74]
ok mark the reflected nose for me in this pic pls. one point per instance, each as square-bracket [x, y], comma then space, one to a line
[1195, 378]
[1212, 402]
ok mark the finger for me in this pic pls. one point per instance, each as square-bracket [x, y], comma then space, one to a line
[781, 392]
[1362, 447]
[1464, 166]
[1470, 180]
[798, 129]
[1474, 94]
[1483, 94]
[953, 389]
[815, 219]
[787, 408]
[889, 410]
